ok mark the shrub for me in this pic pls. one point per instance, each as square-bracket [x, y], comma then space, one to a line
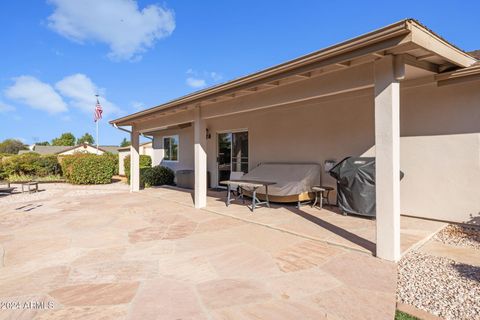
[88, 168]
[114, 159]
[30, 164]
[3, 175]
[156, 176]
[25, 178]
[66, 164]
[145, 162]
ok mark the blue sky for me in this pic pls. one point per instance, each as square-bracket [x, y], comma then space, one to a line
[56, 54]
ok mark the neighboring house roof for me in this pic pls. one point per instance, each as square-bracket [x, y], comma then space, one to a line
[46, 149]
[111, 149]
[61, 149]
[141, 145]
[402, 37]
[476, 55]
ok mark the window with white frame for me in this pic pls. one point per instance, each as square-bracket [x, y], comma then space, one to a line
[170, 148]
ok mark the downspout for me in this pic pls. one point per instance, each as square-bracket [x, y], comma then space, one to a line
[126, 130]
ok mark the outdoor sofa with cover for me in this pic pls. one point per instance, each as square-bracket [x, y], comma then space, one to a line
[293, 181]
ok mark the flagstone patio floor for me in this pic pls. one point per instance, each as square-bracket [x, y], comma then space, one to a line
[103, 252]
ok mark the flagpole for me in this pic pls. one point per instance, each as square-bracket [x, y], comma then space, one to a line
[96, 121]
[97, 135]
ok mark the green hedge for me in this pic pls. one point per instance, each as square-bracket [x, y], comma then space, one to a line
[114, 159]
[29, 164]
[88, 168]
[156, 176]
[145, 162]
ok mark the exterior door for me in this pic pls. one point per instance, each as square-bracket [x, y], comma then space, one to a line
[232, 154]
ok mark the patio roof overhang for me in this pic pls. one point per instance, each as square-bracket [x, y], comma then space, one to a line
[373, 64]
[416, 47]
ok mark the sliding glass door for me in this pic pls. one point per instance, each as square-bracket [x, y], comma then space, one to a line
[232, 153]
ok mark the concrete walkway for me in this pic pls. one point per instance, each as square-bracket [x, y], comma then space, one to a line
[102, 252]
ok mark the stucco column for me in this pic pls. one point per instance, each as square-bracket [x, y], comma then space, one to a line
[200, 160]
[135, 161]
[387, 153]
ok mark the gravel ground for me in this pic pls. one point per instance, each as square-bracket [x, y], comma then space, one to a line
[439, 286]
[466, 236]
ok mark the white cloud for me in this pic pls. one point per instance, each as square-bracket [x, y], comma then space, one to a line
[199, 80]
[137, 105]
[215, 76]
[196, 82]
[6, 107]
[80, 92]
[36, 94]
[121, 24]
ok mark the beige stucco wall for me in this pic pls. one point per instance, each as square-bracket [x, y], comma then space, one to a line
[145, 149]
[440, 144]
[440, 150]
[185, 157]
[442, 176]
[82, 149]
[121, 158]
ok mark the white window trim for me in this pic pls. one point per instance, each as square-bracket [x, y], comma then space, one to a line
[178, 148]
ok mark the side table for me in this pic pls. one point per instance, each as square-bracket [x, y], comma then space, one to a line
[321, 193]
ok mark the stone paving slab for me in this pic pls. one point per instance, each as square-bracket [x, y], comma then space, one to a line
[353, 232]
[100, 253]
[467, 255]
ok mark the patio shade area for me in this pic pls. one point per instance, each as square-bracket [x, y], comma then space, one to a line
[327, 225]
[344, 100]
[102, 251]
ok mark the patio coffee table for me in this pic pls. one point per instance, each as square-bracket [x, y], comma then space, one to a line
[252, 184]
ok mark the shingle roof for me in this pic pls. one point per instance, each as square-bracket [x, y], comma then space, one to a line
[59, 149]
[111, 149]
[128, 147]
[47, 149]
[476, 55]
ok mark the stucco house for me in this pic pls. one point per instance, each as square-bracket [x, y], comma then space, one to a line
[400, 93]
[144, 149]
[67, 150]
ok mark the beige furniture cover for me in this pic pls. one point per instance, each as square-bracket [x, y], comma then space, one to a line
[290, 178]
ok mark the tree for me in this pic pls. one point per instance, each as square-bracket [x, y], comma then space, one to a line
[42, 143]
[125, 143]
[86, 138]
[11, 146]
[66, 139]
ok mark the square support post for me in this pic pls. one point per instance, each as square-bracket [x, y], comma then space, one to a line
[135, 161]
[387, 153]
[200, 160]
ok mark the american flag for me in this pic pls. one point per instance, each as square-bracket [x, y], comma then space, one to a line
[98, 112]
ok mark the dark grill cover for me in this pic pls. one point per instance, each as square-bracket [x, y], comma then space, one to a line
[356, 185]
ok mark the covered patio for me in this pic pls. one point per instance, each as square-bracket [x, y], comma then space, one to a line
[326, 225]
[291, 113]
